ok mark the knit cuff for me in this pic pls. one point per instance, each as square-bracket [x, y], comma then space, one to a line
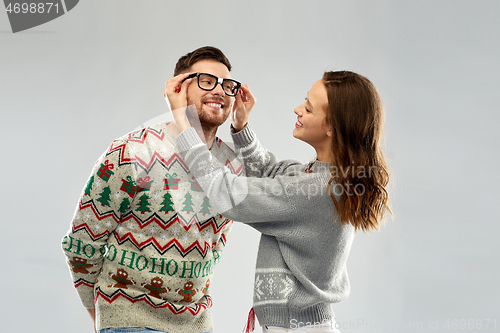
[244, 137]
[188, 139]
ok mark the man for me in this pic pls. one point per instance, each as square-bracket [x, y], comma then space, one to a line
[144, 239]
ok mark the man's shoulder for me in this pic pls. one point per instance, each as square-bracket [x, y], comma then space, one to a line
[139, 135]
[227, 155]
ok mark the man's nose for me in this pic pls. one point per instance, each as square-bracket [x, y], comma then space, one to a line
[218, 90]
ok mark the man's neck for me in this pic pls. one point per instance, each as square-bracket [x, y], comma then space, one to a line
[208, 133]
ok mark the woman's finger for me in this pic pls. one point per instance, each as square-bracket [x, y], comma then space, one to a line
[184, 85]
[249, 97]
[174, 84]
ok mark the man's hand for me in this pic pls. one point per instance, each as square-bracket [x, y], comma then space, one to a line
[92, 315]
[243, 105]
[176, 92]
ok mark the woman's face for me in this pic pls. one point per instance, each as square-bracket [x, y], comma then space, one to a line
[311, 124]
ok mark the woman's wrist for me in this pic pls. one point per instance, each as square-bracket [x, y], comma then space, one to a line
[238, 128]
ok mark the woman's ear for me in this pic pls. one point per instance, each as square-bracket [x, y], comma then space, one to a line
[327, 128]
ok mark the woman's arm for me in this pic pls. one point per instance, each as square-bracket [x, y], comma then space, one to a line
[257, 160]
[245, 199]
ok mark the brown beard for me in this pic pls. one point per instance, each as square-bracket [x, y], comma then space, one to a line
[207, 121]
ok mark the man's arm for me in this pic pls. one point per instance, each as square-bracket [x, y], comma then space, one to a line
[95, 218]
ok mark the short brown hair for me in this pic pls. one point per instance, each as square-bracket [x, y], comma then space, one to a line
[206, 52]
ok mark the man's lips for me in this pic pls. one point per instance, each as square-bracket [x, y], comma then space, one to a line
[214, 105]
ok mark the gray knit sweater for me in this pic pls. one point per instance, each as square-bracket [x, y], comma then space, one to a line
[301, 263]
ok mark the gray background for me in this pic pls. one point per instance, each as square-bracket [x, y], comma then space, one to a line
[70, 86]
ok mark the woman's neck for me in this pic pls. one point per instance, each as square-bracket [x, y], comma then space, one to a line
[323, 154]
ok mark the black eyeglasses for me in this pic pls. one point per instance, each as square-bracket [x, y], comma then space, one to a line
[208, 82]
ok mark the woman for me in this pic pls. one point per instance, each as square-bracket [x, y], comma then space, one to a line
[307, 214]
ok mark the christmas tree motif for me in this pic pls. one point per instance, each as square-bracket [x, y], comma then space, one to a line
[125, 205]
[205, 206]
[143, 204]
[188, 203]
[104, 196]
[89, 185]
[168, 205]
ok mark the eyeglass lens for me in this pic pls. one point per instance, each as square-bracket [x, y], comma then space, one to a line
[209, 82]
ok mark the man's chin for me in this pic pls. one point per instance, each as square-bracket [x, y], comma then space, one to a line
[211, 119]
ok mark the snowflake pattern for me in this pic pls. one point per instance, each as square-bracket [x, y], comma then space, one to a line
[153, 230]
[186, 238]
[153, 144]
[176, 231]
[273, 286]
[257, 291]
[132, 149]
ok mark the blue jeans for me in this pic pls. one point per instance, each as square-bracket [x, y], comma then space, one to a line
[131, 330]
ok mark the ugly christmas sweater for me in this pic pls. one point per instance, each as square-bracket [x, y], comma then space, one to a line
[145, 237]
[301, 263]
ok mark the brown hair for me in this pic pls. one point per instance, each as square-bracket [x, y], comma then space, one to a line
[206, 52]
[355, 114]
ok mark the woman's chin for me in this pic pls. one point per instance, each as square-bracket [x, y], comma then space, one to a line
[296, 135]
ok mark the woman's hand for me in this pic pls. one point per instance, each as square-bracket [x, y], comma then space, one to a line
[243, 105]
[176, 93]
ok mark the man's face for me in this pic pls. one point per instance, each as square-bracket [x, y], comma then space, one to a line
[213, 106]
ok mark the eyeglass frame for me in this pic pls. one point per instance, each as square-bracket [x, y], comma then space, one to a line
[219, 81]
